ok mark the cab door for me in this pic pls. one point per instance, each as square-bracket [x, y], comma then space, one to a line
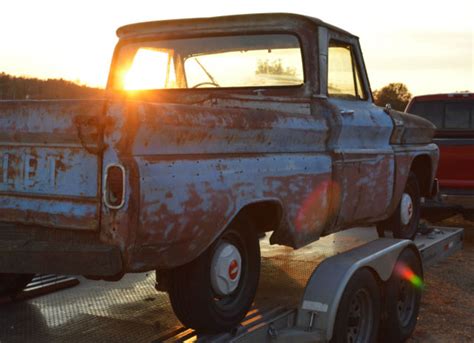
[363, 139]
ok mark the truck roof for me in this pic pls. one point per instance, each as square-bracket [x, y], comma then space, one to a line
[444, 96]
[233, 23]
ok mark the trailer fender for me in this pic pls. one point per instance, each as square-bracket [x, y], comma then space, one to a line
[323, 292]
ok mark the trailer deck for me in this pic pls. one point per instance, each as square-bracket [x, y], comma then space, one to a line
[132, 310]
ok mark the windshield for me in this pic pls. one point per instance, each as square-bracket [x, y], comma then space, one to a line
[210, 62]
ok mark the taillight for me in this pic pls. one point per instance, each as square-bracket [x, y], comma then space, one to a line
[114, 186]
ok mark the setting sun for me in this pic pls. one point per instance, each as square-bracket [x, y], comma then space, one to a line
[150, 69]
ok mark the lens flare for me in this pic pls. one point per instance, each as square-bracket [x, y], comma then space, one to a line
[406, 273]
[319, 205]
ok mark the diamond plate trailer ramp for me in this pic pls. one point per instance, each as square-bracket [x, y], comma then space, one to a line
[132, 311]
[41, 285]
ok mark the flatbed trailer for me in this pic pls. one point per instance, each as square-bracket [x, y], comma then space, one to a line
[301, 324]
[291, 304]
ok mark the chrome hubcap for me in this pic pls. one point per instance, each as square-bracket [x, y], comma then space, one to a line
[225, 269]
[406, 208]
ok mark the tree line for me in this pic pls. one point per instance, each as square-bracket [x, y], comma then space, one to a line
[18, 88]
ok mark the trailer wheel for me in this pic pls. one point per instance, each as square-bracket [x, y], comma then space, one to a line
[358, 314]
[214, 292]
[403, 297]
[12, 284]
[404, 221]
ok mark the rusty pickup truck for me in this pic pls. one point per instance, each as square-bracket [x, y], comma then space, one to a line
[213, 131]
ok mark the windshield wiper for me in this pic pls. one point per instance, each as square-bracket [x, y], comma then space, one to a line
[207, 73]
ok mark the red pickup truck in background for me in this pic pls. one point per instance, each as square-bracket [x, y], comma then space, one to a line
[453, 115]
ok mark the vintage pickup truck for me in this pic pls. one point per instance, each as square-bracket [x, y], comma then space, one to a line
[214, 131]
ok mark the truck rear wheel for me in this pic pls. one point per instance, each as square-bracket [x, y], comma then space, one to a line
[358, 313]
[12, 284]
[214, 292]
[403, 297]
[405, 220]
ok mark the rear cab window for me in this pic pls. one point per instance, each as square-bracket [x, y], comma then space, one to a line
[450, 115]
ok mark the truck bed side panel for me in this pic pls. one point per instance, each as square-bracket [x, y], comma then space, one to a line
[199, 165]
[47, 177]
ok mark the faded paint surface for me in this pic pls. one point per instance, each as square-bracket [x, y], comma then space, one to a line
[46, 175]
[411, 129]
[367, 162]
[197, 166]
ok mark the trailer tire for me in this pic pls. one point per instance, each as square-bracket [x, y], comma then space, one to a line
[403, 299]
[202, 298]
[358, 313]
[405, 220]
[12, 284]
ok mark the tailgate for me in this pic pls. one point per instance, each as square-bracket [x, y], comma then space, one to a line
[47, 176]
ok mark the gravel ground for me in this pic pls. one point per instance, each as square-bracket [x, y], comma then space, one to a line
[447, 308]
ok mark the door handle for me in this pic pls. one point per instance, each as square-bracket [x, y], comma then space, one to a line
[347, 112]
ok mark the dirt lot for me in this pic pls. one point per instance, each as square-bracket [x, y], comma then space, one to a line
[447, 310]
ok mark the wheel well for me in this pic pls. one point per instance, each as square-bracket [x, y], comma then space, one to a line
[266, 215]
[421, 166]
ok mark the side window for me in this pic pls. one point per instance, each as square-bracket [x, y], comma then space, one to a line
[344, 79]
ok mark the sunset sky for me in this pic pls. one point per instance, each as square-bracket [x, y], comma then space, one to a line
[428, 45]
